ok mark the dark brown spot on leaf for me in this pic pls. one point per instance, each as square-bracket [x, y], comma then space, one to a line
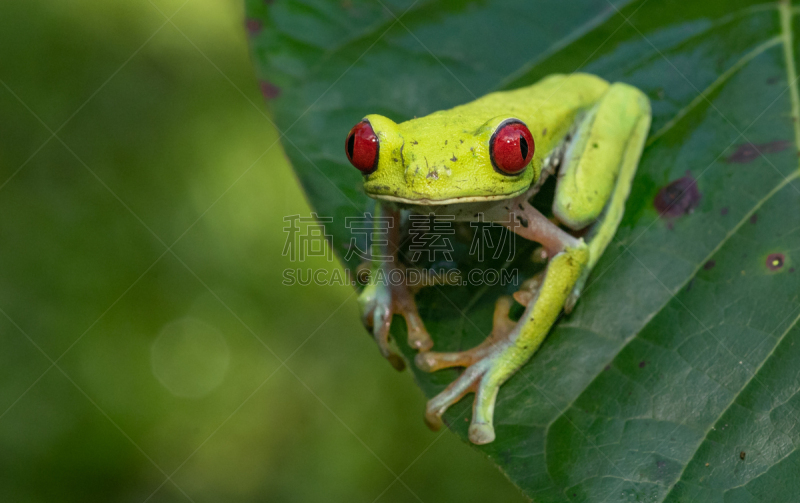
[723, 211]
[642, 364]
[748, 152]
[754, 218]
[678, 198]
[253, 26]
[742, 455]
[775, 261]
[269, 90]
[773, 80]
[709, 265]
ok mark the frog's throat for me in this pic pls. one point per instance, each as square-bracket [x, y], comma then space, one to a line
[452, 200]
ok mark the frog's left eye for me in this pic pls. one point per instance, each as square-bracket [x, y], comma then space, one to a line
[511, 147]
[362, 147]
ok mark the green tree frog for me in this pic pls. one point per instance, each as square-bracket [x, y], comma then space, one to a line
[487, 159]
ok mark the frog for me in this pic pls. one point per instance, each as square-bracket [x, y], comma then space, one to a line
[487, 160]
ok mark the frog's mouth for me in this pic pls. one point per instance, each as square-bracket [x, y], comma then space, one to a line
[443, 202]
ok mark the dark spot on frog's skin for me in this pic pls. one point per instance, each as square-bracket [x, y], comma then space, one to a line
[544, 131]
[523, 221]
[723, 211]
[678, 198]
[433, 175]
[775, 261]
[269, 90]
[454, 159]
[754, 218]
[521, 207]
[445, 142]
[415, 142]
[773, 80]
[462, 141]
[394, 160]
[253, 26]
[709, 265]
[749, 152]
[642, 364]
[742, 455]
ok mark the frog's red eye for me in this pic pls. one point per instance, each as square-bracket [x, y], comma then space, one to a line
[511, 147]
[362, 147]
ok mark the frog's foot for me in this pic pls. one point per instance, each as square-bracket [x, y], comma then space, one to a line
[529, 289]
[479, 362]
[379, 302]
[433, 361]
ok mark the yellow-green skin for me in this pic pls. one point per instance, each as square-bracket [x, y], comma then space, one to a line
[443, 160]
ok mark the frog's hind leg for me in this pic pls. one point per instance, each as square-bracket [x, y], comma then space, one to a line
[596, 175]
[509, 346]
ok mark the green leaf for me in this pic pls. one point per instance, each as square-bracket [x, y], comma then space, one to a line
[676, 378]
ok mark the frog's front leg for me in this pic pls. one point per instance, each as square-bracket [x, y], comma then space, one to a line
[388, 293]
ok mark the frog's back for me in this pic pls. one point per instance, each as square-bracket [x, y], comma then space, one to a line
[548, 107]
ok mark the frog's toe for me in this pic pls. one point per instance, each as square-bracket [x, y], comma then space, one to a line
[467, 382]
[433, 361]
[403, 303]
[477, 378]
[481, 433]
[529, 289]
[377, 319]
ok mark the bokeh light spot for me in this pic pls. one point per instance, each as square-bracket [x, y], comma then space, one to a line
[190, 358]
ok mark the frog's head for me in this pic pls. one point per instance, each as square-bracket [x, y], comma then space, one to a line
[444, 158]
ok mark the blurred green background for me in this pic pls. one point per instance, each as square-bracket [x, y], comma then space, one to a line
[142, 317]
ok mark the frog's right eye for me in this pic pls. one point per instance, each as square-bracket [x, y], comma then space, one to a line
[362, 147]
